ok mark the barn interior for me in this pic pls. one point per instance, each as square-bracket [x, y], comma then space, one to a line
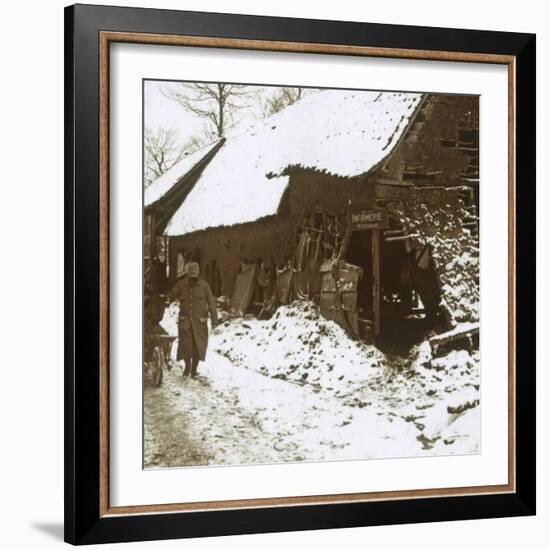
[394, 299]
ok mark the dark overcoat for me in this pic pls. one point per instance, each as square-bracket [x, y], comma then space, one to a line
[195, 302]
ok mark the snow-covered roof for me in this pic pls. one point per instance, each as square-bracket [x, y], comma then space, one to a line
[162, 185]
[344, 133]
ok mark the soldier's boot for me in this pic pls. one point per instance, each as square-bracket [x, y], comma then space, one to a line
[194, 365]
[188, 369]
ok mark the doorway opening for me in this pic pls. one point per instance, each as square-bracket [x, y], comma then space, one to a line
[392, 293]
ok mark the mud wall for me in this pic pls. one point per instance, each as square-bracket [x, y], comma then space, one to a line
[309, 191]
[222, 249]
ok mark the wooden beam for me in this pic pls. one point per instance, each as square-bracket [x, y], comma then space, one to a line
[344, 244]
[462, 331]
[153, 235]
[376, 280]
[400, 238]
[394, 232]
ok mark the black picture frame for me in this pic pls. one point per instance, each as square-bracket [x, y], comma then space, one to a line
[84, 522]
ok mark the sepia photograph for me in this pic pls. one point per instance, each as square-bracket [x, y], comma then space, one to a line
[299, 274]
[310, 274]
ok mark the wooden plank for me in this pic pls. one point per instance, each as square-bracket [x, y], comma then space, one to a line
[461, 331]
[153, 235]
[400, 238]
[376, 280]
[394, 232]
[345, 243]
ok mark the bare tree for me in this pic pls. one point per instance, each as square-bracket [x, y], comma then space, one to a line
[162, 151]
[282, 99]
[218, 103]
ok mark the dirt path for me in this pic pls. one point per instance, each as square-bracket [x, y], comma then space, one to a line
[227, 415]
[233, 415]
[191, 423]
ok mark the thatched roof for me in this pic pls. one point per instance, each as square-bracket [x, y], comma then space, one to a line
[343, 133]
[161, 186]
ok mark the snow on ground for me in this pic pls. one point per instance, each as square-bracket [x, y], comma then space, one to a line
[345, 133]
[315, 394]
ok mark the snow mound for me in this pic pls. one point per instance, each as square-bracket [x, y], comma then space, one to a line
[432, 403]
[299, 345]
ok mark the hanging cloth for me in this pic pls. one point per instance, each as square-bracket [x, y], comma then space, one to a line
[284, 282]
[244, 289]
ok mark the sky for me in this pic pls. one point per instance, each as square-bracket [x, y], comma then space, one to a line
[162, 112]
[159, 111]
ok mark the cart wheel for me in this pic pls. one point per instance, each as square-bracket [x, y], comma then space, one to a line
[158, 362]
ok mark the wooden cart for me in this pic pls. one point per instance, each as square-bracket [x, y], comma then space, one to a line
[157, 342]
[157, 355]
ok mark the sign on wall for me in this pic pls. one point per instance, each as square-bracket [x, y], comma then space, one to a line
[369, 218]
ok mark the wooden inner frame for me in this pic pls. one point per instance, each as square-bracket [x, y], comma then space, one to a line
[105, 39]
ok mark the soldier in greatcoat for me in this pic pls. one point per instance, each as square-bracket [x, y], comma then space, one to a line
[195, 302]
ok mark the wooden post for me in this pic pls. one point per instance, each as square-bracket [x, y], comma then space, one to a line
[344, 244]
[153, 236]
[375, 233]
